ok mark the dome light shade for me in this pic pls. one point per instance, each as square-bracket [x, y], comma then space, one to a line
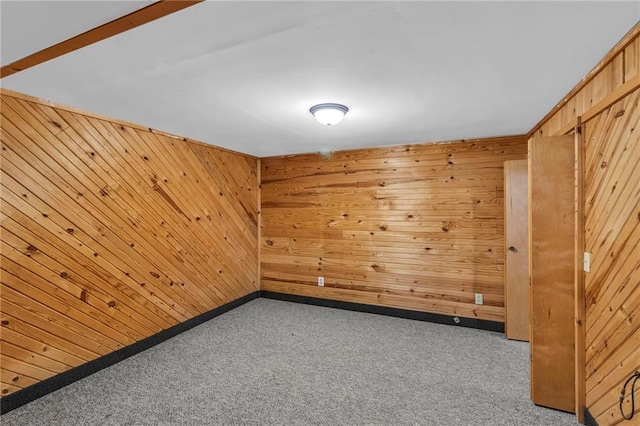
[329, 114]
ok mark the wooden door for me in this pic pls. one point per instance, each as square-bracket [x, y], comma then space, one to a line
[551, 269]
[516, 270]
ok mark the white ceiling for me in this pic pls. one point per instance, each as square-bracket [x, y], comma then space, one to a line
[243, 75]
[30, 26]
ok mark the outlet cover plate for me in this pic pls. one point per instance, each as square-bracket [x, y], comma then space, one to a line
[586, 261]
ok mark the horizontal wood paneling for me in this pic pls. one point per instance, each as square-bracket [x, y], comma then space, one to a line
[112, 233]
[416, 227]
[619, 66]
[612, 236]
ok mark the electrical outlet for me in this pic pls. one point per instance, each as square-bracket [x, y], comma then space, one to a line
[479, 299]
[320, 281]
[586, 262]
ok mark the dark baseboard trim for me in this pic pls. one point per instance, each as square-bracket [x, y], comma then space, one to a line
[40, 389]
[588, 418]
[393, 312]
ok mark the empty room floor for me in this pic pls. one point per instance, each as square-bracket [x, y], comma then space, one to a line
[274, 362]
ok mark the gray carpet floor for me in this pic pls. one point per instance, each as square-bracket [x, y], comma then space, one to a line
[277, 363]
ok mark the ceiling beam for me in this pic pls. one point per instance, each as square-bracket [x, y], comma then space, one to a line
[139, 17]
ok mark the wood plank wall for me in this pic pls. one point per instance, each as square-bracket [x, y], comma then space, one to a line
[620, 66]
[111, 233]
[417, 227]
[611, 165]
[612, 236]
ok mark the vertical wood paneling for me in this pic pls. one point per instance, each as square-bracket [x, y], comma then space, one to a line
[632, 59]
[621, 65]
[111, 233]
[418, 227]
[610, 81]
[612, 235]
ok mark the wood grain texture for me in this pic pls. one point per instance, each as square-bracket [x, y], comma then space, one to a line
[134, 19]
[611, 83]
[618, 66]
[551, 248]
[612, 235]
[112, 233]
[417, 227]
[579, 288]
[516, 273]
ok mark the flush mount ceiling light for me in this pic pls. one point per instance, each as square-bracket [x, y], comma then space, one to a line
[329, 114]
